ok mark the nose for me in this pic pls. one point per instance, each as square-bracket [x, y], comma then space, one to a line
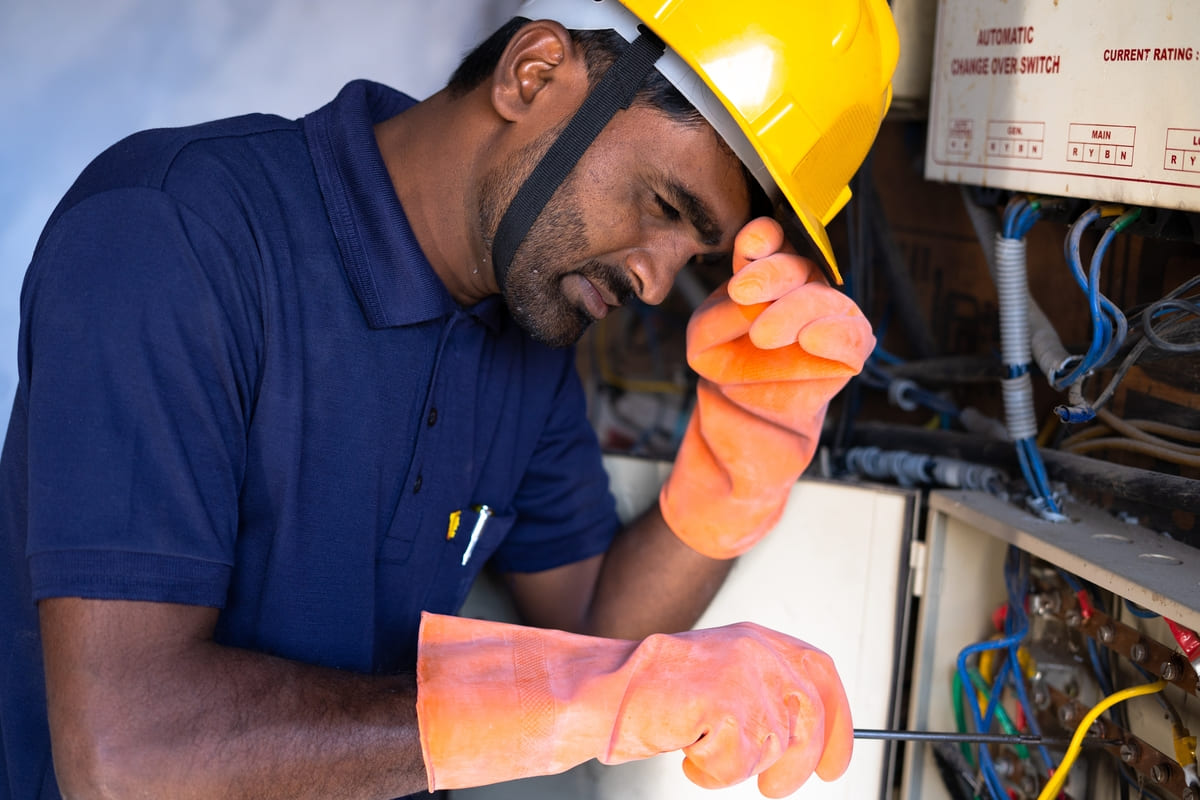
[654, 268]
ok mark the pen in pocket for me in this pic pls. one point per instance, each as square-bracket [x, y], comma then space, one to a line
[484, 513]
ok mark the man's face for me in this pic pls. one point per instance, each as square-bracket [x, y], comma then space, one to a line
[648, 196]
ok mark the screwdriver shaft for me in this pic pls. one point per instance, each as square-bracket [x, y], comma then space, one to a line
[975, 738]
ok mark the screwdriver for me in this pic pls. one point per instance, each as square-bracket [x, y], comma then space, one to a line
[976, 738]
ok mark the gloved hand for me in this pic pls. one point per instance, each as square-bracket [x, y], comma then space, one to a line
[497, 702]
[772, 347]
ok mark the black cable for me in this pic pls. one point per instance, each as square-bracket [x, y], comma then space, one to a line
[1192, 345]
[1147, 314]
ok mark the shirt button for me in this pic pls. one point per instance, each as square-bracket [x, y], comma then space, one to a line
[432, 420]
[417, 484]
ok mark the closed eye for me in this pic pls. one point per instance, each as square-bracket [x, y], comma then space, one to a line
[669, 211]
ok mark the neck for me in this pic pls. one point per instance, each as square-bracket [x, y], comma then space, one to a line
[431, 155]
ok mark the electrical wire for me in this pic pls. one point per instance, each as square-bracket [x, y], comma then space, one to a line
[1109, 324]
[987, 767]
[960, 715]
[1002, 717]
[1135, 446]
[1179, 305]
[1120, 323]
[1144, 432]
[1016, 573]
[1167, 706]
[1019, 217]
[1140, 436]
[1142, 426]
[1146, 316]
[1016, 626]
[1138, 611]
[1059, 778]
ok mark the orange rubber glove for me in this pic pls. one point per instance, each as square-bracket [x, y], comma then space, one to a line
[497, 702]
[772, 347]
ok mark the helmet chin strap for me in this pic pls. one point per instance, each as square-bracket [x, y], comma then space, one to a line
[614, 91]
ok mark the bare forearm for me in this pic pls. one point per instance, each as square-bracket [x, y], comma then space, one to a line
[257, 727]
[650, 582]
[206, 721]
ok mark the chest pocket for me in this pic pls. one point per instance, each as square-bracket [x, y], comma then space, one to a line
[426, 573]
[451, 542]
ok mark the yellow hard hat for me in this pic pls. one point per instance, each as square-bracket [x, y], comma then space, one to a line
[797, 89]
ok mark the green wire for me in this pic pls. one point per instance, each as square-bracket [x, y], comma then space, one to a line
[1126, 219]
[1001, 715]
[960, 718]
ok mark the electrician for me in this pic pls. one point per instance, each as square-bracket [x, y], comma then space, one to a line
[286, 385]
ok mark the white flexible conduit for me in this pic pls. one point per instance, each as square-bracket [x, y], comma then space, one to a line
[1048, 351]
[1013, 292]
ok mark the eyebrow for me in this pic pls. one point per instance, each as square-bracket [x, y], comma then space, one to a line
[696, 212]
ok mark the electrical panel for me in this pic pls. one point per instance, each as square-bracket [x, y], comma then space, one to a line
[1092, 100]
[1098, 598]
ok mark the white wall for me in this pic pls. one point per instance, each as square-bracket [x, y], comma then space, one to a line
[76, 75]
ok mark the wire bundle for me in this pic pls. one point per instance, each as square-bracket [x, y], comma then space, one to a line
[1181, 313]
[1016, 627]
[971, 684]
[1015, 350]
[1109, 325]
[1175, 305]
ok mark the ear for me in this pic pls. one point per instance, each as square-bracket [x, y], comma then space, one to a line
[541, 59]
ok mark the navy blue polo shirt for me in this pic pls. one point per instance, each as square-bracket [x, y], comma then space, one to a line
[242, 386]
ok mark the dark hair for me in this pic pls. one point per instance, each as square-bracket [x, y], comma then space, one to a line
[600, 49]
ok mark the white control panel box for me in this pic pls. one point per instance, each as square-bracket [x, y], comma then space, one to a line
[1097, 100]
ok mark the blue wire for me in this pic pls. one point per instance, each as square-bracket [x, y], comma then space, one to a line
[1036, 485]
[1016, 205]
[1026, 220]
[1101, 306]
[1109, 325]
[985, 757]
[1033, 468]
[1006, 644]
[1039, 472]
[1016, 567]
[1020, 216]
[1114, 314]
[1072, 242]
[1016, 628]
[1023, 458]
[1101, 327]
[1138, 611]
[885, 356]
[998, 687]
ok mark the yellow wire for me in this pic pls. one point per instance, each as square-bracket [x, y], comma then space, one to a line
[1055, 784]
[1046, 434]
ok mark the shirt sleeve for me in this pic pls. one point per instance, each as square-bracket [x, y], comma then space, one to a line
[138, 354]
[565, 511]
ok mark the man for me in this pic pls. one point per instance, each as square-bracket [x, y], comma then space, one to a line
[287, 385]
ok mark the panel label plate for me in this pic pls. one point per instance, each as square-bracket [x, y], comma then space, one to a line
[1042, 96]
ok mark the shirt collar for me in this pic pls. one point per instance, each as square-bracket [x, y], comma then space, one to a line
[391, 277]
